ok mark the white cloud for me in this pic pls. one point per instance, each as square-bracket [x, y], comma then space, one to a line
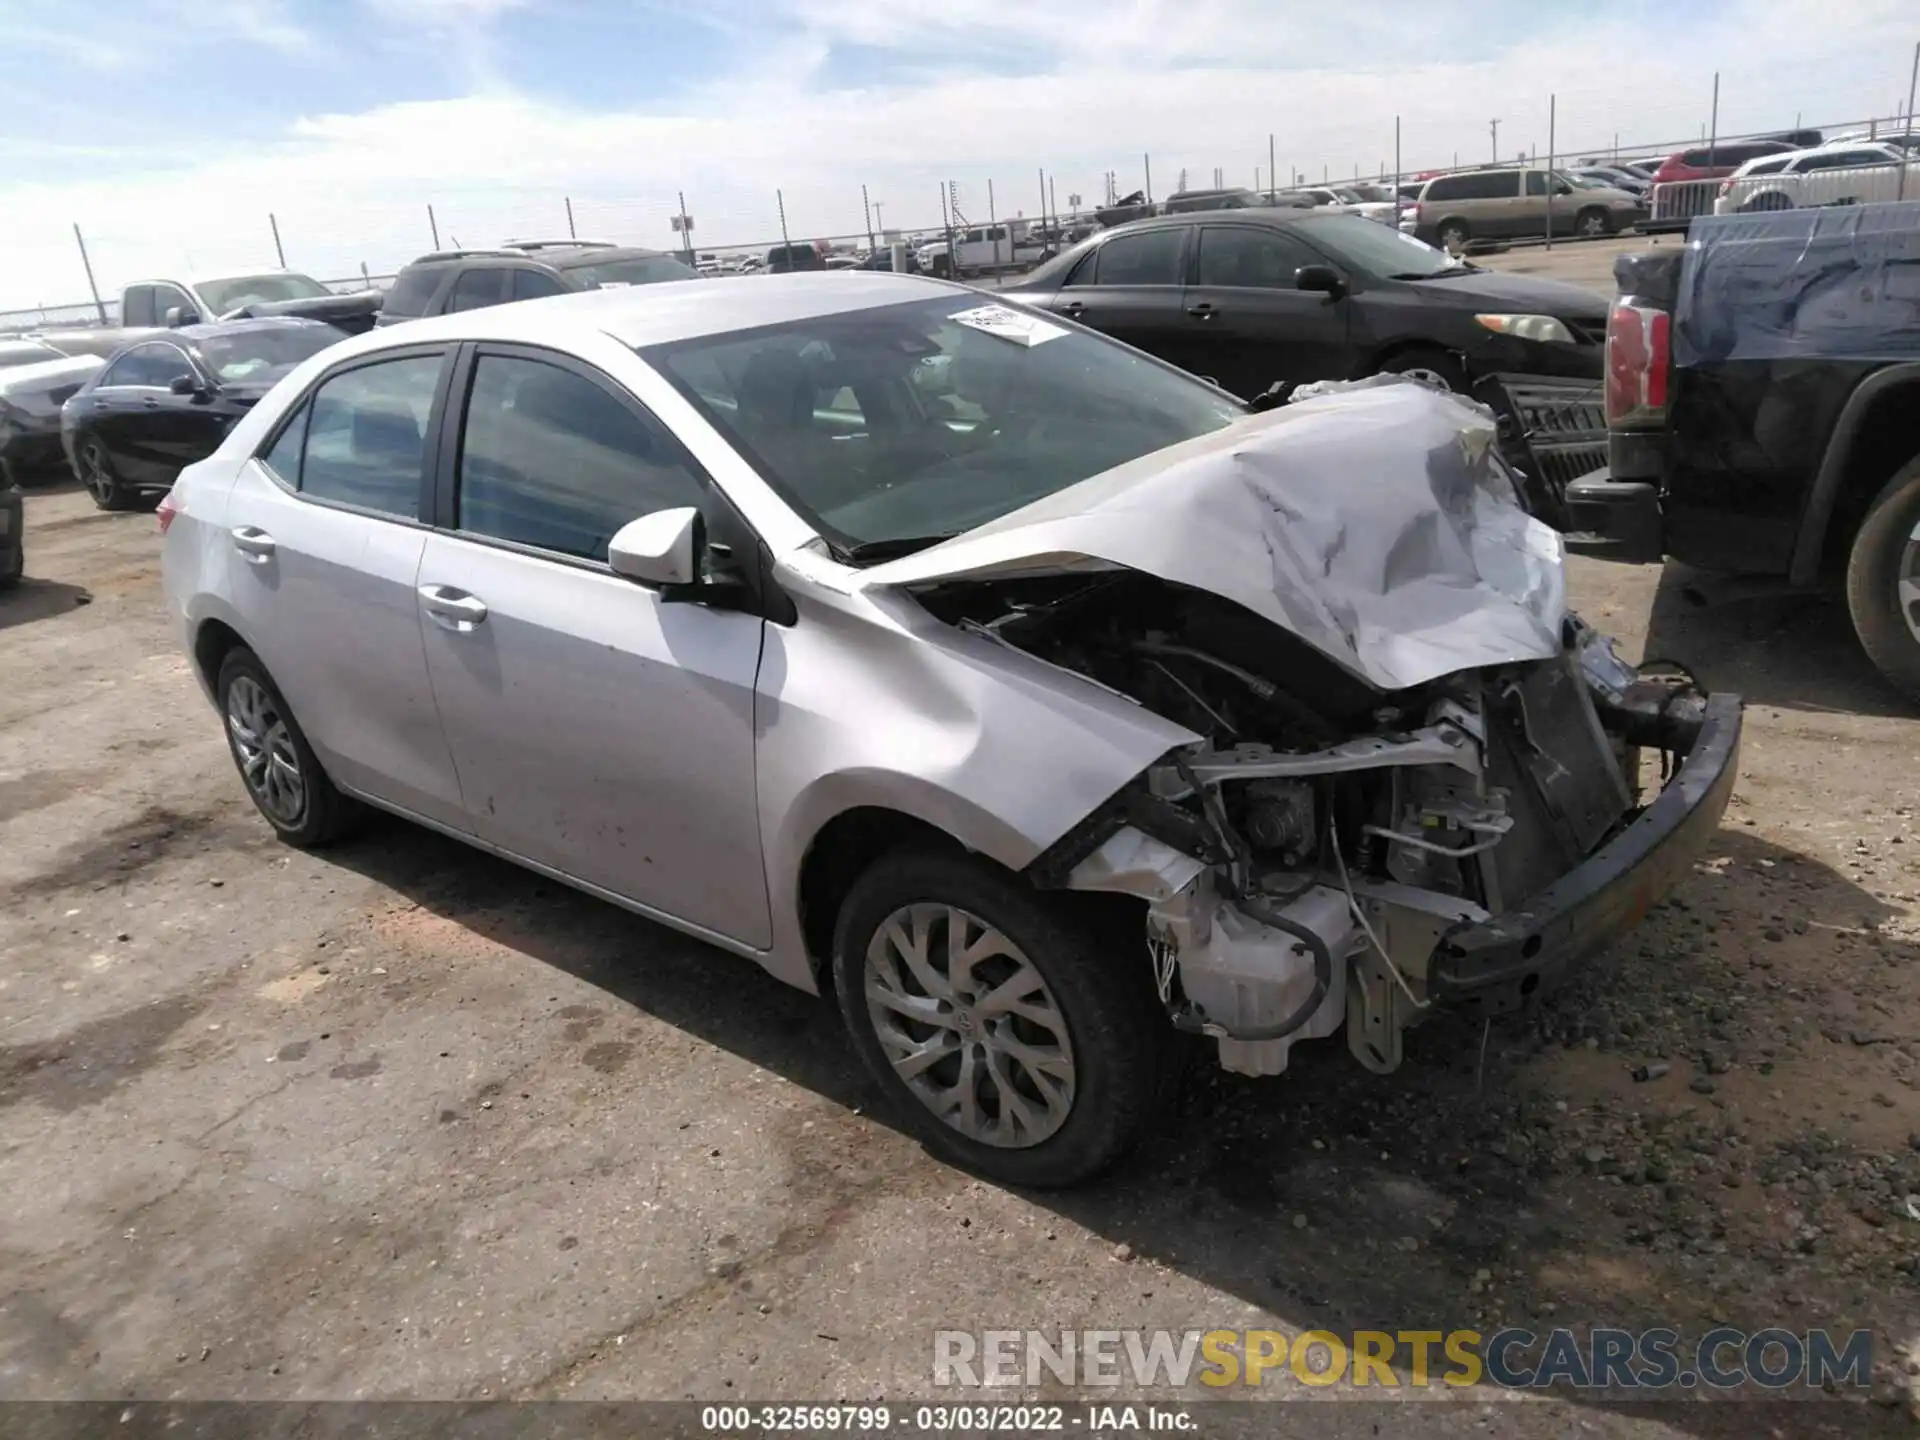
[349, 188]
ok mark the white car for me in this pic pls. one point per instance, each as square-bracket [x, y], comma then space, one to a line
[1343, 201]
[1847, 173]
[1044, 704]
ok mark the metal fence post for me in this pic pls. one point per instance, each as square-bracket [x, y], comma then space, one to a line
[1552, 106]
[572, 234]
[278, 252]
[433, 225]
[779, 199]
[866, 209]
[1146, 162]
[1273, 170]
[1713, 138]
[1913, 78]
[1396, 172]
[992, 225]
[87, 264]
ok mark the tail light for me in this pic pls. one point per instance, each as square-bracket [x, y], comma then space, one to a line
[165, 511]
[1638, 363]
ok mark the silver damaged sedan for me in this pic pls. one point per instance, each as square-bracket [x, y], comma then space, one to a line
[1049, 707]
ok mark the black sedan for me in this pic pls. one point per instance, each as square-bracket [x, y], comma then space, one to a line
[1251, 297]
[163, 403]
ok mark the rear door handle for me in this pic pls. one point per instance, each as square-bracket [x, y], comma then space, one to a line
[1202, 311]
[252, 542]
[451, 608]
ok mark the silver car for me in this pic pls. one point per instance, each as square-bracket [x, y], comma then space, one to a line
[1042, 702]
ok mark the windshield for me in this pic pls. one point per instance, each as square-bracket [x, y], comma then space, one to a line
[265, 353]
[1375, 249]
[637, 270]
[223, 296]
[892, 428]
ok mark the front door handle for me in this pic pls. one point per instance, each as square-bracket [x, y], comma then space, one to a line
[1202, 311]
[252, 542]
[1072, 307]
[451, 608]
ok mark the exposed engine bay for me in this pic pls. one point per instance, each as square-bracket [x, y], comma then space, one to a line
[1309, 864]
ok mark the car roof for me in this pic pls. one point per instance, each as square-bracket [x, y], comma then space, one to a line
[1790, 156]
[670, 310]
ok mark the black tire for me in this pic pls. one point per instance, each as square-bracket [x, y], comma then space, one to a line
[1593, 221]
[103, 482]
[324, 814]
[1123, 1051]
[1873, 581]
[1454, 234]
[1436, 365]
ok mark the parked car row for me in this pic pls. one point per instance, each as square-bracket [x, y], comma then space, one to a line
[1842, 172]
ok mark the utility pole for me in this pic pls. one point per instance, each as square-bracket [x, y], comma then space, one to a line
[278, 252]
[87, 264]
[1493, 128]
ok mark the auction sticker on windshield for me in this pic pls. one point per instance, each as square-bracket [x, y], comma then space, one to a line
[1027, 330]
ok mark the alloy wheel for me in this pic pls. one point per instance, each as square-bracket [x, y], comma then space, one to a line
[97, 473]
[969, 1025]
[1907, 584]
[1431, 377]
[1593, 225]
[269, 763]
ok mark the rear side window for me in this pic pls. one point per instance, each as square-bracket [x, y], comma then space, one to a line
[550, 458]
[1149, 258]
[1768, 167]
[365, 438]
[476, 289]
[413, 290]
[1843, 160]
[1491, 185]
[138, 308]
[283, 456]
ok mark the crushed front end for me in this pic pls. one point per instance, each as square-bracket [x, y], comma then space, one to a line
[1464, 844]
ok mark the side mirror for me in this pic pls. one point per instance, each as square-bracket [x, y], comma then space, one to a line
[1322, 278]
[183, 385]
[659, 549]
[178, 315]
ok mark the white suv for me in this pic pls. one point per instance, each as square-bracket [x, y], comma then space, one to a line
[1844, 173]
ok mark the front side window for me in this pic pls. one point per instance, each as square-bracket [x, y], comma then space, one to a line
[550, 458]
[1536, 182]
[1242, 257]
[169, 299]
[966, 410]
[1151, 257]
[365, 442]
[534, 285]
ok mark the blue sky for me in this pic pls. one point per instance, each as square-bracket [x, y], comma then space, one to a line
[170, 129]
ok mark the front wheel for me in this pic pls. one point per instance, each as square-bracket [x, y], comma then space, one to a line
[1012, 1039]
[284, 778]
[1883, 581]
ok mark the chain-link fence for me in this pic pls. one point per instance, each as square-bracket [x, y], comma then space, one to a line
[364, 243]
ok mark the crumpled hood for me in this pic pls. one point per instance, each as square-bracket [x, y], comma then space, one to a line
[31, 387]
[1371, 520]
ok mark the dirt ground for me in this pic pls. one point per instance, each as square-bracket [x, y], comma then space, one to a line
[399, 1120]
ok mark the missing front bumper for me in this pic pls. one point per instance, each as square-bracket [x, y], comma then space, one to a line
[1498, 964]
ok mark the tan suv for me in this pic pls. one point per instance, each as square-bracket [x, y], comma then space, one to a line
[1455, 210]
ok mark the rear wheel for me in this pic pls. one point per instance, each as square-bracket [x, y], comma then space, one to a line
[1883, 581]
[1593, 221]
[1012, 1038]
[283, 777]
[1454, 235]
[103, 482]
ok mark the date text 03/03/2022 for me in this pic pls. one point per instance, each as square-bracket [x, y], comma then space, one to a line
[981, 1418]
